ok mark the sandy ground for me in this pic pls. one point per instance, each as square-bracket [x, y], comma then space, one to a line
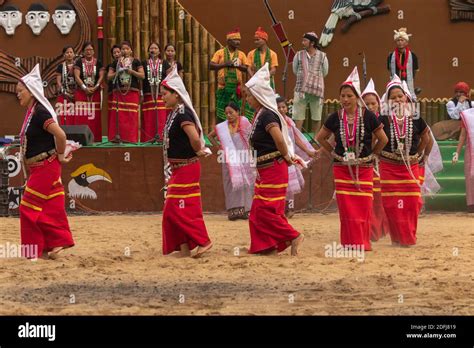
[435, 277]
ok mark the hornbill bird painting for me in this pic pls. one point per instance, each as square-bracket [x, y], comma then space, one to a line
[354, 11]
[84, 176]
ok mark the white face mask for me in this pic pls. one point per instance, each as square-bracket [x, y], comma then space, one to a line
[37, 20]
[64, 20]
[10, 20]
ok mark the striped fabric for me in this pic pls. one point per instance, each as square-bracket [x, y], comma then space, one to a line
[401, 198]
[153, 113]
[354, 201]
[183, 221]
[269, 228]
[126, 109]
[43, 219]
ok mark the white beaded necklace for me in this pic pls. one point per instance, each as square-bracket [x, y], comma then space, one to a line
[359, 132]
[403, 140]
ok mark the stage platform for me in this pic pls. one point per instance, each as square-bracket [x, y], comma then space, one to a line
[108, 177]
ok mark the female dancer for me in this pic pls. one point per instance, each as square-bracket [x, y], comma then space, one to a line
[353, 127]
[270, 231]
[43, 220]
[378, 221]
[408, 137]
[183, 223]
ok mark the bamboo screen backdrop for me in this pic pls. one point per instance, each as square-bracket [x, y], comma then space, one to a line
[165, 21]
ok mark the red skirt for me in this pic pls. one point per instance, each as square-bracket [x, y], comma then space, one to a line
[401, 201]
[43, 220]
[126, 106]
[355, 205]
[154, 114]
[89, 113]
[269, 228]
[67, 114]
[182, 214]
[378, 221]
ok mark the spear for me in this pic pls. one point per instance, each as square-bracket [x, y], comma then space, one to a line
[281, 34]
[100, 31]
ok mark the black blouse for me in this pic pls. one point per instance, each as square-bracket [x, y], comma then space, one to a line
[146, 83]
[38, 140]
[134, 80]
[79, 65]
[419, 127]
[110, 83]
[167, 65]
[371, 123]
[179, 144]
[71, 81]
[261, 139]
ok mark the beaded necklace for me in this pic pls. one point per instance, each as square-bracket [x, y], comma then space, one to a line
[154, 72]
[125, 78]
[89, 70]
[168, 125]
[254, 125]
[65, 80]
[402, 138]
[24, 129]
[354, 143]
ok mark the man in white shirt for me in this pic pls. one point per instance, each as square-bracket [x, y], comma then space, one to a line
[450, 129]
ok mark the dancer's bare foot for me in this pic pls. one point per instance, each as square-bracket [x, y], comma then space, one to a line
[295, 244]
[395, 243]
[54, 254]
[201, 250]
[185, 250]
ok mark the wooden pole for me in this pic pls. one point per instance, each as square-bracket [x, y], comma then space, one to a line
[204, 76]
[155, 21]
[180, 33]
[212, 84]
[163, 22]
[145, 27]
[188, 55]
[120, 20]
[128, 20]
[171, 23]
[111, 28]
[136, 40]
[196, 66]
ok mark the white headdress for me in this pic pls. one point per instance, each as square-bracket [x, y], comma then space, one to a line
[395, 82]
[34, 83]
[401, 33]
[370, 89]
[174, 82]
[259, 86]
[407, 91]
[353, 80]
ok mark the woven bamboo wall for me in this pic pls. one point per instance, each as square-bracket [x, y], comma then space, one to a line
[165, 21]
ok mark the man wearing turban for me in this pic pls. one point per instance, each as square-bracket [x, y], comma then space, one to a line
[450, 129]
[230, 63]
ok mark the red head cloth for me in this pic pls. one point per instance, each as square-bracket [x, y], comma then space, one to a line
[462, 87]
[234, 34]
[261, 34]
